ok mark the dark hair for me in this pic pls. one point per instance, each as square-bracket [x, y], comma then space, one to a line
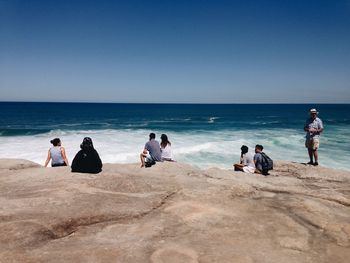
[55, 141]
[165, 140]
[244, 149]
[87, 145]
[152, 136]
[259, 146]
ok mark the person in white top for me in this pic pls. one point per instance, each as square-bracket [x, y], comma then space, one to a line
[246, 163]
[165, 147]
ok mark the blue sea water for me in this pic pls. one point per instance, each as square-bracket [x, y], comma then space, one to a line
[204, 135]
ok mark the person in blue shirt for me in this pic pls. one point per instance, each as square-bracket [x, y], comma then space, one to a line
[151, 152]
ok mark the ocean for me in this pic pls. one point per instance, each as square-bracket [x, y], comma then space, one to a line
[203, 135]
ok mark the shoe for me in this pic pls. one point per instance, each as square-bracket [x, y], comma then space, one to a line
[315, 163]
[311, 162]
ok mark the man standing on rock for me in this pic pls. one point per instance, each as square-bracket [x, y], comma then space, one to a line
[313, 127]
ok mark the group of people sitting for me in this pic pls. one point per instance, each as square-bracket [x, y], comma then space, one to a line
[260, 163]
[154, 152]
[87, 159]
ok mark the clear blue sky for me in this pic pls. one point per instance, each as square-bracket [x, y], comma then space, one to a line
[261, 51]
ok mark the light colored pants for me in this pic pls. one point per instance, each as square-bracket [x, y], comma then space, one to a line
[249, 169]
[312, 143]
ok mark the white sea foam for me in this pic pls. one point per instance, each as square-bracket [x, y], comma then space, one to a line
[200, 148]
[212, 119]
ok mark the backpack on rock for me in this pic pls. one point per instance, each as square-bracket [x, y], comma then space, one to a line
[266, 164]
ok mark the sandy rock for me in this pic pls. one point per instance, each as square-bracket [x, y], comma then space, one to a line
[14, 164]
[173, 213]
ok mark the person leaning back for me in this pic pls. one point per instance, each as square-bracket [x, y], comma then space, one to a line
[313, 127]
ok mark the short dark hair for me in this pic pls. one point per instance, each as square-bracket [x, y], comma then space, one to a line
[259, 146]
[55, 141]
[152, 135]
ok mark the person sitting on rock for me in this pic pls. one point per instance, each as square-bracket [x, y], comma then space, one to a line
[258, 158]
[56, 154]
[246, 163]
[151, 152]
[165, 148]
[87, 159]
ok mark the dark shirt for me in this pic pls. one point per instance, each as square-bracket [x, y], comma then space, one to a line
[87, 162]
[153, 148]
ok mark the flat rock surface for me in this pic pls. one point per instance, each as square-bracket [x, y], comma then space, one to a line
[173, 212]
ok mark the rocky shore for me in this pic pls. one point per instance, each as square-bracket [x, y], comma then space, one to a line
[173, 212]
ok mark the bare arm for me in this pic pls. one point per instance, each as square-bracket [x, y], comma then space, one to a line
[48, 158]
[315, 130]
[63, 152]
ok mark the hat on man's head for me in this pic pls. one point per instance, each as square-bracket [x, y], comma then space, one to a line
[313, 111]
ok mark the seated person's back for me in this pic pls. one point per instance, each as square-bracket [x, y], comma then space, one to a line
[87, 159]
[165, 147]
[153, 148]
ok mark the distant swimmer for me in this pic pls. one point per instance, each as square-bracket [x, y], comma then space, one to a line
[313, 127]
[57, 154]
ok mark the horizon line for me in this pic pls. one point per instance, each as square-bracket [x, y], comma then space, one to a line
[198, 103]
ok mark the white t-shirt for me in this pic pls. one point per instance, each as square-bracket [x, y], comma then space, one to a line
[166, 153]
[247, 160]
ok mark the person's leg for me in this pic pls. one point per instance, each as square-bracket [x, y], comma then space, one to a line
[249, 169]
[315, 146]
[311, 153]
[316, 156]
[308, 145]
[142, 158]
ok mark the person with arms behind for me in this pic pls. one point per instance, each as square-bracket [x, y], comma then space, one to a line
[87, 159]
[165, 147]
[57, 154]
[313, 127]
[151, 152]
